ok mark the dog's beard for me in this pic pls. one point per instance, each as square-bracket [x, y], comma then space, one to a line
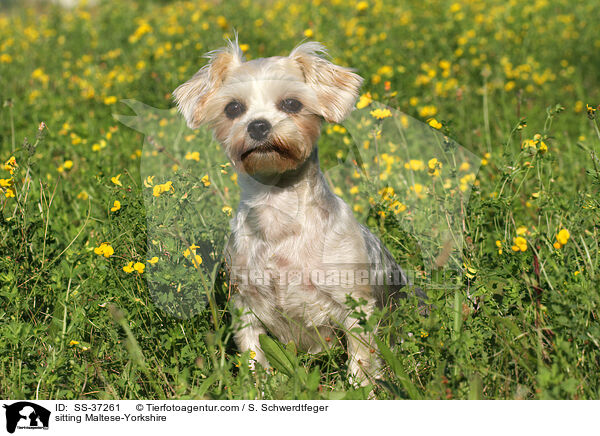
[272, 156]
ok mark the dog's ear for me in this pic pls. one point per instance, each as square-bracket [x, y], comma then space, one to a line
[336, 87]
[192, 96]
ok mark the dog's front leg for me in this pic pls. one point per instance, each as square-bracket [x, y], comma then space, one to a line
[247, 331]
[363, 363]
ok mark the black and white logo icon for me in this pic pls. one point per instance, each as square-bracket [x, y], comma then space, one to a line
[26, 415]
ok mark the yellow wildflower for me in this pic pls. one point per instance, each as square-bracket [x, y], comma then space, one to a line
[362, 6]
[434, 167]
[222, 22]
[562, 238]
[364, 101]
[520, 244]
[116, 206]
[149, 181]
[415, 165]
[205, 180]
[104, 249]
[153, 260]
[380, 114]
[116, 180]
[128, 268]
[227, 210]
[68, 164]
[139, 267]
[435, 123]
[161, 189]
[11, 165]
[193, 156]
[110, 100]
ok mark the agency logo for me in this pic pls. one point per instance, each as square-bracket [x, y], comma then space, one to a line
[26, 415]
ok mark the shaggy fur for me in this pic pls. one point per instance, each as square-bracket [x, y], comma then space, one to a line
[296, 250]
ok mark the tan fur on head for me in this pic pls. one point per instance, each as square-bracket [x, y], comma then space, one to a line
[192, 96]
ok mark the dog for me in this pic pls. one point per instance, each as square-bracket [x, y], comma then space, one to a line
[296, 250]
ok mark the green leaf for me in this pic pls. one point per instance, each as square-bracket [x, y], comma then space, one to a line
[281, 359]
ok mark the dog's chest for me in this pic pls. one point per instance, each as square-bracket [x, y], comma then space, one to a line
[280, 248]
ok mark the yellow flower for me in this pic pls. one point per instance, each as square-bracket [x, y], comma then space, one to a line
[193, 156]
[521, 230]
[153, 260]
[191, 249]
[417, 188]
[11, 165]
[116, 180]
[116, 206]
[197, 261]
[149, 181]
[415, 165]
[435, 123]
[434, 167]
[6, 183]
[222, 22]
[160, 189]
[486, 159]
[68, 164]
[73, 343]
[104, 249]
[354, 190]
[563, 236]
[308, 33]
[83, 195]
[205, 180]
[128, 268]
[528, 143]
[543, 148]
[244, 47]
[139, 267]
[428, 111]
[227, 210]
[364, 101]
[499, 245]
[520, 244]
[397, 207]
[10, 193]
[362, 6]
[110, 100]
[557, 245]
[380, 114]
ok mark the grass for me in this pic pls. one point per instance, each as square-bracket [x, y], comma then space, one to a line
[508, 81]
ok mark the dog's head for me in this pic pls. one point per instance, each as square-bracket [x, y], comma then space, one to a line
[267, 112]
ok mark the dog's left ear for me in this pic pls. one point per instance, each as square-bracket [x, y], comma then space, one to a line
[336, 87]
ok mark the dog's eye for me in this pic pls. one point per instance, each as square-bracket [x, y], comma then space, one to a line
[290, 105]
[234, 109]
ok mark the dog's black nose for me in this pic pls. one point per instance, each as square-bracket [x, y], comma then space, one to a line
[259, 129]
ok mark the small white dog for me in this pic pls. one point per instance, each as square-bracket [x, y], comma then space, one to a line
[296, 250]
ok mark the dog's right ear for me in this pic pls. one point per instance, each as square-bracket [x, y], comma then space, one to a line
[192, 96]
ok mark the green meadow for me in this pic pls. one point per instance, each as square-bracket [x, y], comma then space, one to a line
[93, 187]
